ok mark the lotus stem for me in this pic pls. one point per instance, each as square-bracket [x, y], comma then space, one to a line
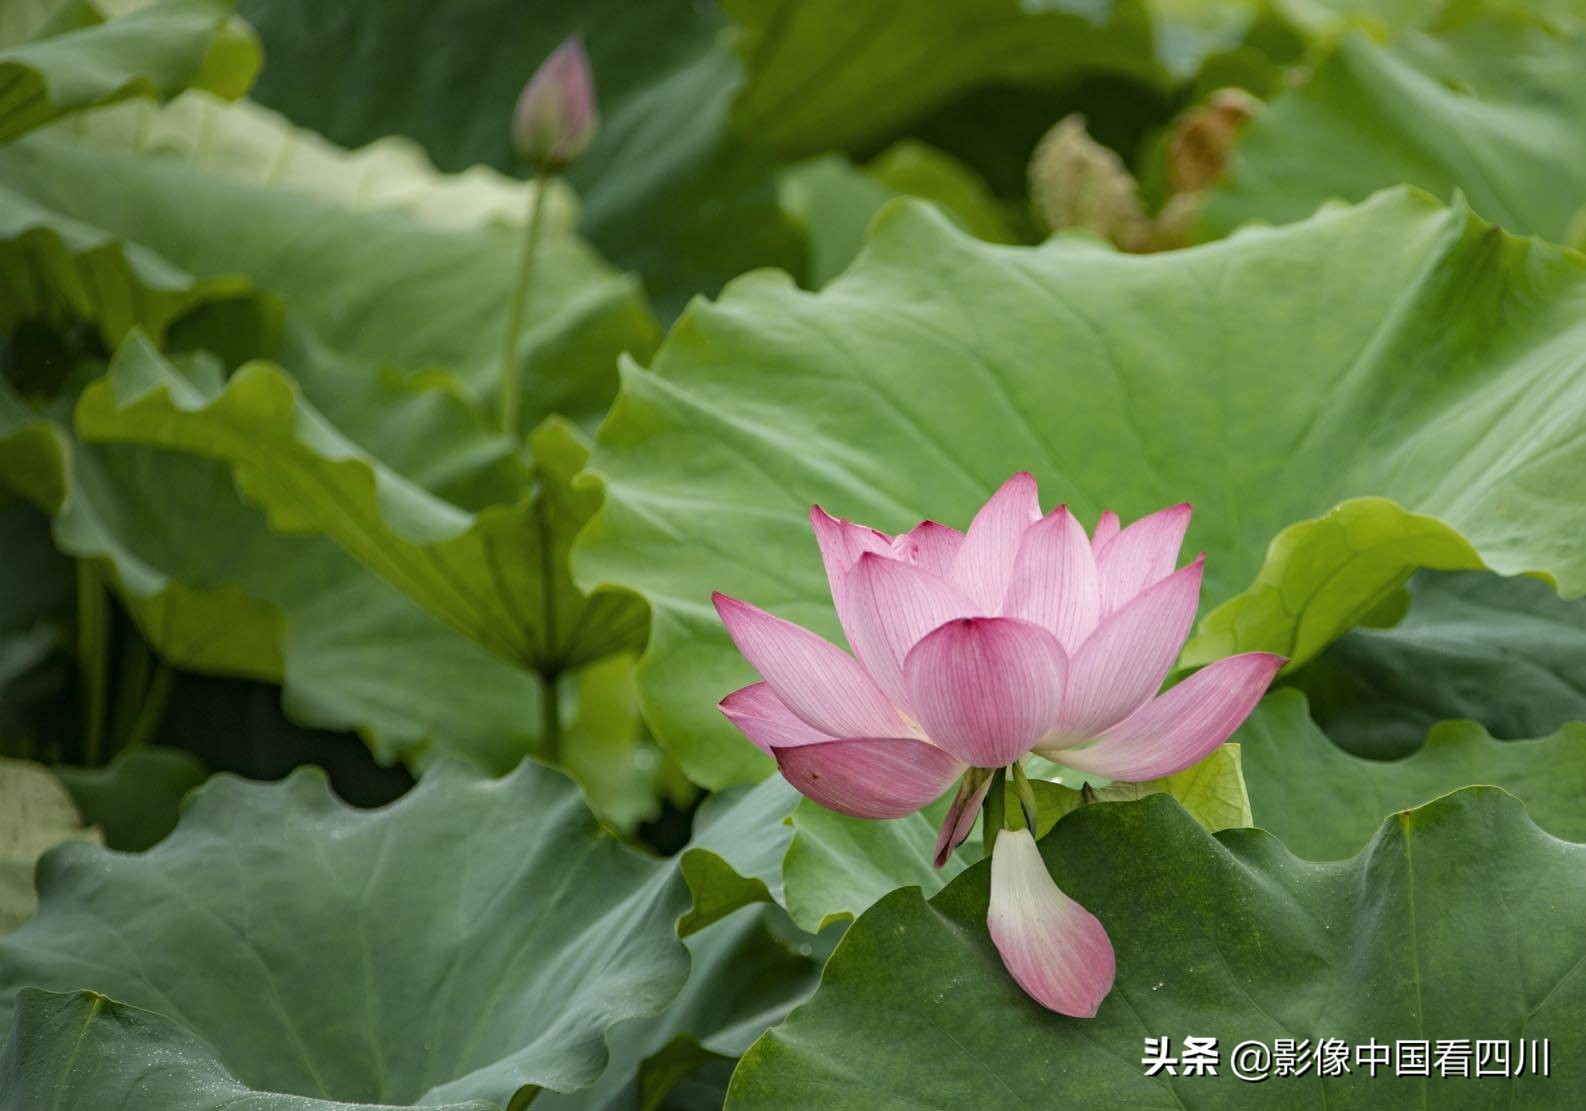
[510, 376]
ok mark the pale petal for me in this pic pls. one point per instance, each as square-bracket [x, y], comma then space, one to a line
[961, 816]
[889, 607]
[1054, 948]
[1054, 580]
[766, 720]
[1106, 529]
[1182, 726]
[814, 678]
[1140, 555]
[1124, 661]
[985, 688]
[985, 559]
[870, 777]
[842, 543]
[935, 547]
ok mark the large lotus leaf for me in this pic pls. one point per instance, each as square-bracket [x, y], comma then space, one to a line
[472, 940]
[1446, 373]
[248, 141]
[847, 73]
[1325, 803]
[79, 1049]
[744, 979]
[665, 192]
[1492, 111]
[377, 284]
[497, 576]
[78, 59]
[1460, 920]
[1505, 652]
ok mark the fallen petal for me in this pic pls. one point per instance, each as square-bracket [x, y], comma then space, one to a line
[1054, 948]
[765, 719]
[1181, 727]
[985, 688]
[870, 777]
[814, 678]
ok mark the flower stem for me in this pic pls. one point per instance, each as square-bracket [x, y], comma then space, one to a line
[509, 377]
[992, 812]
[1026, 797]
[93, 656]
[550, 719]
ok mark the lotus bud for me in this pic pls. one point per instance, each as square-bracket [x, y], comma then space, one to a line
[556, 117]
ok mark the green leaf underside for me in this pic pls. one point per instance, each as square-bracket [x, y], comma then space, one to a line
[156, 50]
[1427, 359]
[1505, 652]
[1490, 111]
[1325, 804]
[484, 574]
[1460, 920]
[475, 938]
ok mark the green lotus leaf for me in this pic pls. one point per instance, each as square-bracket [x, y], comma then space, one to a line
[1325, 803]
[474, 940]
[847, 73]
[666, 192]
[497, 576]
[1459, 920]
[78, 59]
[834, 200]
[766, 843]
[1424, 402]
[134, 799]
[1490, 111]
[745, 977]
[77, 1049]
[1505, 652]
[351, 651]
[372, 281]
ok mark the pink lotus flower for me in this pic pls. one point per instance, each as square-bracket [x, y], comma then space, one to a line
[974, 649]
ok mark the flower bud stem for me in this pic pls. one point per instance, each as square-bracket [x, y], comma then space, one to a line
[509, 377]
[1026, 797]
[993, 811]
